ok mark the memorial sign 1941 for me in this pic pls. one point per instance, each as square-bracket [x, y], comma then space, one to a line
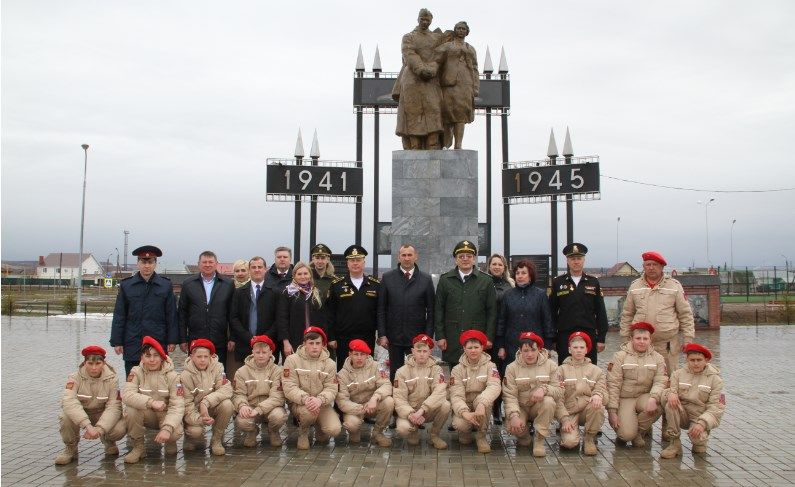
[536, 180]
[308, 180]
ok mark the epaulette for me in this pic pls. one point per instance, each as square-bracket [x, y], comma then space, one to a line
[164, 277]
[338, 279]
[374, 279]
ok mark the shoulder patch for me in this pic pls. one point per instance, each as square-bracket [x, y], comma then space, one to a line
[442, 379]
[609, 366]
[374, 279]
[130, 376]
[118, 395]
[494, 373]
[180, 390]
[336, 379]
[382, 373]
[286, 372]
[70, 384]
[337, 279]
[722, 399]
[395, 383]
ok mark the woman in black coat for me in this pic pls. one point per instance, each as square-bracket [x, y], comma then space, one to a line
[498, 270]
[298, 307]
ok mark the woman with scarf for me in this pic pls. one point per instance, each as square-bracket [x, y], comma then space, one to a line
[498, 270]
[299, 306]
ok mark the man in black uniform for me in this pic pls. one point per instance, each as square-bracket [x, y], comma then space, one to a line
[352, 306]
[145, 306]
[577, 304]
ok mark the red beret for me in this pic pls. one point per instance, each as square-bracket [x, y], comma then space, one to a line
[473, 335]
[584, 336]
[204, 343]
[359, 346]
[422, 337]
[655, 256]
[319, 331]
[156, 345]
[696, 348]
[641, 325]
[529, 335]
[263, 339]
[93, 350]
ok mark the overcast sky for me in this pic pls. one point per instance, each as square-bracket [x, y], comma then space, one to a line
[181, 103]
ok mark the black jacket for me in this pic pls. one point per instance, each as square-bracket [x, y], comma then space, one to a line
[581, 306]
[200, 319]
[292, 313]
[144, 308]
[352, 313]
[405, 308]
[276, 282]
[266, 317]
[523, 309]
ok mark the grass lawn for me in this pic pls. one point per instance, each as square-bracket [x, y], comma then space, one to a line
[756, 298]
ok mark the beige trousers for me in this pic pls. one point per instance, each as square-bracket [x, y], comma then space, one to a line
[383, 413]
[633, 418]
[438, 417]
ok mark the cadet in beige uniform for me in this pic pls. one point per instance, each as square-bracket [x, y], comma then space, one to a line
[155, 399]
[208, 396]
[636, 377]
[365, 390]
[694, 400]
[258, 395]
[659, 299]
[91, 401]
[530, 391]
[584, 395]
[474, 386]
[420, 392]
[310, 384]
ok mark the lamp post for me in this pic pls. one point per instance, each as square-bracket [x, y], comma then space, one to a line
[706, 224]
[117, 260]
[82, 224]
[731, 244]
[618, 220]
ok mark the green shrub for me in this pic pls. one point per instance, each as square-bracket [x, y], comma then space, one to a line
[69, 304]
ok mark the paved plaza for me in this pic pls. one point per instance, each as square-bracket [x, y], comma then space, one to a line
[753, 445]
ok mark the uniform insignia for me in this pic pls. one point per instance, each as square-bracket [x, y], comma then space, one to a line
[130, 377]
[442, 379]
[395, 383]
[70, 384]
[452, 380]
[234, 383]
[505, 381]
[722, 399]
[224, 380]
[336, 379]
[286, 372]
[609, 366]
[279, 387]
[180, 390]
[118, 395]
[495, 372]
[382, 373]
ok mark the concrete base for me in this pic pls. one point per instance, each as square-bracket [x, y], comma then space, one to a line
[434, 204]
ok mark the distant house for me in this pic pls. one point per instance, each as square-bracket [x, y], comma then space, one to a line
[622, 269]
[65, 265]
[225, 269]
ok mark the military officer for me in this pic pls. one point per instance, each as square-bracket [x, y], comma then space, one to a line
[577, 304]
[322, 269]
[145, 306]
[91, 401]
[465, 299]
[352, 306]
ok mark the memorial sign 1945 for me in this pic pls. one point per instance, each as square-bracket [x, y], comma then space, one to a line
[537, 179]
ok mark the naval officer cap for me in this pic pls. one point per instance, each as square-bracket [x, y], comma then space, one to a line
[575, 249]
[320, 249]
[355, 252]
[465, 246]
[147, 251]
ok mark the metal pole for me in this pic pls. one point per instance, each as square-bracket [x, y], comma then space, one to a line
[82, 224]
[312, 217]
[731, 245]
[553, 215]
[376, 180]
[569, 210]
[618, 220]
[506, 208]
[297, 220]
[359, 155]
[488, 173]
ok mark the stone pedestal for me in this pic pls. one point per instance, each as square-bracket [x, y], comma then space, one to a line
[434, 204]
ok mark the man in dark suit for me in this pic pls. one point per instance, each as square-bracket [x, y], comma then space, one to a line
[205, 306]
[405, 307]
[253, 310]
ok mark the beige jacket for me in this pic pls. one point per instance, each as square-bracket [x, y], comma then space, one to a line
[209, 386]
[471, 385]
[665, 307]
[84, 395]
[418, 386]
[700, 394]
[143, 387]
[258, 387]
[357, 386]
[580, 381]
[307, 377]
[522, 379]
[632, 374]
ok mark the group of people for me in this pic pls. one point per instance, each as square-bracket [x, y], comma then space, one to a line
[304, 338]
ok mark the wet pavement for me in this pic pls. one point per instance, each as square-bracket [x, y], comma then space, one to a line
[753, 445]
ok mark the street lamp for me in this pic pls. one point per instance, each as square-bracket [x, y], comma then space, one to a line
[731, 243]
[706, 224]
[618, 220]
[117, 260]
[82, 224]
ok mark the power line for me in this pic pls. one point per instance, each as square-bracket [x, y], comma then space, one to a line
[776, 190]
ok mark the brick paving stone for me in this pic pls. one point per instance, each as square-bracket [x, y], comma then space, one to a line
[753, 445]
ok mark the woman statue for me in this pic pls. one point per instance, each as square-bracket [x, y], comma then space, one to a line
[460, 84]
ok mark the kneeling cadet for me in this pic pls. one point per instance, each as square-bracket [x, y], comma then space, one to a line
[420, 393]
[365, 391]
[208, 396]
[310, 385]
[91, 401]
[259, 398]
